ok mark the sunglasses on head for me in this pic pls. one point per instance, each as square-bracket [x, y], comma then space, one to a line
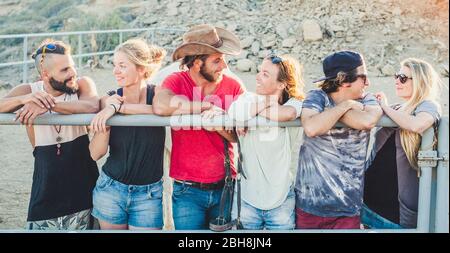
[402, 77]
[50, 48]
[275, 58]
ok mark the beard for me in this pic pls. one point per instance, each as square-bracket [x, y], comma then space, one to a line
[62, 86]
[208, 75]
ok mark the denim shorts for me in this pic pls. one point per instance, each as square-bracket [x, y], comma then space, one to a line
[279, 218]
[135, 205]
[372, 220]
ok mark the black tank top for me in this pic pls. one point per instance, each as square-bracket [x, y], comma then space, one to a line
[381, 184]
[136, 153]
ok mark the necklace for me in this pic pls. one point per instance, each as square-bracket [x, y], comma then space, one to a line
[58, 131]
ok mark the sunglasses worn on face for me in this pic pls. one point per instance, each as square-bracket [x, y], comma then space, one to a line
[402, 77]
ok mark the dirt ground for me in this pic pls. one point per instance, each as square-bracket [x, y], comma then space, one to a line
[16, 167]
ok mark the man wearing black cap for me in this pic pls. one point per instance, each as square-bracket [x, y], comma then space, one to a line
[331, 163]
[64, 172]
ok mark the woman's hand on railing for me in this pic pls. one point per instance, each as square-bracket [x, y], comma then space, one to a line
[98, 123]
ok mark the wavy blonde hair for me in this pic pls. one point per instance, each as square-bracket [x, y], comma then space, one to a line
[290, 73]
[426, 86]
[140, 53]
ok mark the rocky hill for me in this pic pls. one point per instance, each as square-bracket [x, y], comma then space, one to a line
[385, 31]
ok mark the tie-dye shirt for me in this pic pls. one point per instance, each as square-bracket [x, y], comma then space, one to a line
[331, 166]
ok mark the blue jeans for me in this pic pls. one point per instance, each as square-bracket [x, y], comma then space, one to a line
[193, 208]
[373, 220]
[135, 205]
[279, 218]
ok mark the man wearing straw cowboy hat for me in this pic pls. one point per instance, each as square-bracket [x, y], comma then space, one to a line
[198, 155]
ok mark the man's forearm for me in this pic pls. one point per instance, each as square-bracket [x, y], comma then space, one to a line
[11, 104]
[321, 123]
[74, 107]
[361, 120]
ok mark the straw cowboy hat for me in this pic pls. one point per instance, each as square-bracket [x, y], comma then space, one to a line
[207, 39]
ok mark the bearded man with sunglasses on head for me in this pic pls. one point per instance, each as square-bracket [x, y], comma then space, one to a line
[64, 173]
[329, 184]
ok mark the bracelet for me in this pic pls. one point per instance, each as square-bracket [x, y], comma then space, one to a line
[114, 106]
[120, 107]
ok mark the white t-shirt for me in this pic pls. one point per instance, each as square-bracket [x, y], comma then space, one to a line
[269, 156]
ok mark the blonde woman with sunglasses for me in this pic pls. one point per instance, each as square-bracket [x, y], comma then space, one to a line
[392, 179]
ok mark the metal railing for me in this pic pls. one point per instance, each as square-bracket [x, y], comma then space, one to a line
[433, 211]
[80, 55]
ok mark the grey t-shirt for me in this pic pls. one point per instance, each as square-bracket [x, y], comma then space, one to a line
[408, 182]
[331, 166]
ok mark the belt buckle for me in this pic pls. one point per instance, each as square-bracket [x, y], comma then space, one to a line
[183, 182]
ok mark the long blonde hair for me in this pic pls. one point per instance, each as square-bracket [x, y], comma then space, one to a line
[290, 73]
[426, 85]
[143, 55]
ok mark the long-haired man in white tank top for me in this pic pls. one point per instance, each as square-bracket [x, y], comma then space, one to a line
[64, 173]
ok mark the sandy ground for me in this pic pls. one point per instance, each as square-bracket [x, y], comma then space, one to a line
[16, 167]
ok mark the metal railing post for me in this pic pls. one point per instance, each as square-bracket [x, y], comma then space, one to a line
[152, 36]
[441, 212]
[424, 206]
[120, 38]
[80, 48]
[25, 55]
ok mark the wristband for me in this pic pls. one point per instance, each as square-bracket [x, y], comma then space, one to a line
[114, 106]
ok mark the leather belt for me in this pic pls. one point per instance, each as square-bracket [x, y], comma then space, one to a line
[203, 186]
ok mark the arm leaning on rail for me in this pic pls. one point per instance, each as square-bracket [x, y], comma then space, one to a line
[364, 119]
[166, 103]
[27, 104]
[316, 123]
[88, 101]
[21, 95]
[414, 123]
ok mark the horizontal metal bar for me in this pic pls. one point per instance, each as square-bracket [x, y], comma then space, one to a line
[31, 35]
[153, 120]
[92, 54]
[8, 64]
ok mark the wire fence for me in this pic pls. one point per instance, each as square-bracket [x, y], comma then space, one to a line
[153, 34]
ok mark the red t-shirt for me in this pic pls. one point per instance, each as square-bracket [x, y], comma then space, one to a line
[197, 154]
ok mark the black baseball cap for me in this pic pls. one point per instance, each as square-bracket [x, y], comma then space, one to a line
[340, 61]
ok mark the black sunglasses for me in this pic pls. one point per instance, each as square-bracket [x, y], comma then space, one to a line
[402, 77]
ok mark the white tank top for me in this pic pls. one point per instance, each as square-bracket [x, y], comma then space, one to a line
[47, 135]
